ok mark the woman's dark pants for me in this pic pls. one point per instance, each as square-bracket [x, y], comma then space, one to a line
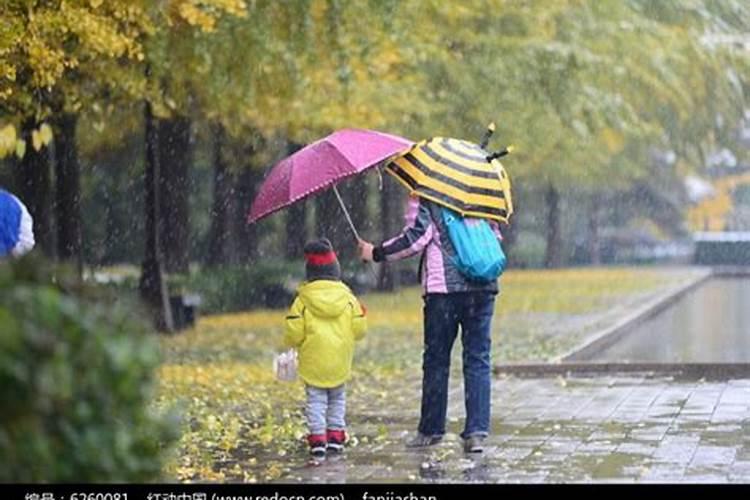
[443, 315]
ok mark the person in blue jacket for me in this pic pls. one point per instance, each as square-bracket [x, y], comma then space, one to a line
[16, 227]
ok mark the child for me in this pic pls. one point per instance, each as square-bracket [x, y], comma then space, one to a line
[323, 323]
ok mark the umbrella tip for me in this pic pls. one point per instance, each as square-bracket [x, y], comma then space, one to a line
[501, 153]
[487, 135]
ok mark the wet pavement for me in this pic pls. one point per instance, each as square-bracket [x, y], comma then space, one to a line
[651, 426]
[602, 428]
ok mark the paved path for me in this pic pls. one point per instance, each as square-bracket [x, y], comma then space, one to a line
[603, 428]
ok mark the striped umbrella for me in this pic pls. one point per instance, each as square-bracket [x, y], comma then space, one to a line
[457, 174]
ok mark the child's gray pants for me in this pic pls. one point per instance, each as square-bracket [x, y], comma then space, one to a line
[325, 408]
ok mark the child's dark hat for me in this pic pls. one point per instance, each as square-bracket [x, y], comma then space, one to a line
[321, 262]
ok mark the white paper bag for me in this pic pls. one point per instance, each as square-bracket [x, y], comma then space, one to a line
[285, 366]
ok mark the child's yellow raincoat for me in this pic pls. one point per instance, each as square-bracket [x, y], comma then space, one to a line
[323, 323]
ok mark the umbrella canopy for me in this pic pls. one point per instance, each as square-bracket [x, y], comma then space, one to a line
[16, 235]
[457, 174]
[321, 164]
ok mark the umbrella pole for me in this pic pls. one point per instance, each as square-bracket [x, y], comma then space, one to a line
[346, 212]
[354, 229]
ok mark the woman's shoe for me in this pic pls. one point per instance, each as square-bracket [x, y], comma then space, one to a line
[422, 441]
[474, 444]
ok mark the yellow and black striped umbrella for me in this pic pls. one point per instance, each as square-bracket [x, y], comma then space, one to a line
[457, 174]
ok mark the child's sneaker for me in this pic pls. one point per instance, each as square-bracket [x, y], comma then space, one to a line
[317, 444]
[336, 440]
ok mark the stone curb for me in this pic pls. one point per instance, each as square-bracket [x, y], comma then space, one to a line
[709, 371]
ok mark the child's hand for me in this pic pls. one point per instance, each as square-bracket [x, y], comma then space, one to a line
[365, 250]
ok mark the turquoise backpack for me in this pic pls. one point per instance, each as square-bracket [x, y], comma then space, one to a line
[479, 255]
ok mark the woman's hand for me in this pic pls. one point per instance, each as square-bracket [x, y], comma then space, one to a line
[365, 250]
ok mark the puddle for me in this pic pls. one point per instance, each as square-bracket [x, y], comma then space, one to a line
[709, 324]
[621, 465]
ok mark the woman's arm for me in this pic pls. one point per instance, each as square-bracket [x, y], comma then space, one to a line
[416, 234]
[496, 229]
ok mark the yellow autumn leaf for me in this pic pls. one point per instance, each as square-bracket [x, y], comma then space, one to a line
[20, 148]
[613, 139]
[36, 140]
[95, 3]
[7, 139]
[45, 133]
[197, 17]
[9, 132]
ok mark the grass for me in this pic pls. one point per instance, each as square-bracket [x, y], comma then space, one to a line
[240, 424]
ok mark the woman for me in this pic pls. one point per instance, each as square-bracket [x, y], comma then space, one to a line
[450, 301]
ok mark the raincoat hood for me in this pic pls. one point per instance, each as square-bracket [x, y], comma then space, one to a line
[325, 298]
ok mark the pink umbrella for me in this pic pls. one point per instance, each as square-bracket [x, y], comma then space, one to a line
[322, 164]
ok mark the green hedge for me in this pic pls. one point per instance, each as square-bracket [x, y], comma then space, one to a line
[76, 379]
[238, 288]
[528, 251]
[232, 288]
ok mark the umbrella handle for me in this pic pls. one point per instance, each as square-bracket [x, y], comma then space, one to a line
[346, 213]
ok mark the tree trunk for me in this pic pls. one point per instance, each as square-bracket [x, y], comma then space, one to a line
[594, 242]
[68, 190]
[220, 249]
[355, 195]
[153, 286]
[246, 234]
[389, 224]
[354, 198]
[553, 256]
[510, 237]
[358, 194]
[296, 230]
[510, 232]
[296, 227]
[33, 182]
[112, 234]
[174, 163]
